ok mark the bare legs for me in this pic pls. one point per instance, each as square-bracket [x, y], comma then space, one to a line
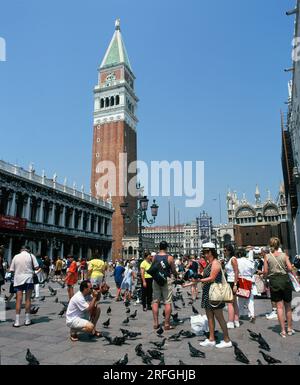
[233, 311]
[281, 308]
[218, 313]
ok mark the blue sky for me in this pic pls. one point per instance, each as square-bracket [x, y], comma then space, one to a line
[209, 78]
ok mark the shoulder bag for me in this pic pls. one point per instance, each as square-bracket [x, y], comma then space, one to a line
[220, 292]
[35, 277]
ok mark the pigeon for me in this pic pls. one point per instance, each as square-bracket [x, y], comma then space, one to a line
[122, 361]
[195, 311]
[175, 337]
[108, 311]
[159, 345]
[127, 303]
[34, 310]
[128, 311]
[155, 354]
[263, 343]
[139, 350]
[188, 334]
[253, 335]
[174, 316]
[259, 338]
[56, 300]
[31, 359]
[183, 303]
[130, 334]
[126, 321]
[160, 331]
[162, 361]
[181, 362]
[106, 323]
[146, 359]
[119, 341]
[61, 313]
[176, 307]
[189, 294]
[195, 352]
[108, 338]
[259, 362]
[270, 360]
[133, 315]
[42, 298]
[239, 355]
[191, 302]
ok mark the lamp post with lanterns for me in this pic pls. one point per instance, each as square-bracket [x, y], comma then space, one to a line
[141, 215]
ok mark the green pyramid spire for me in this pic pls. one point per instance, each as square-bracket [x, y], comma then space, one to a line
[116, 52]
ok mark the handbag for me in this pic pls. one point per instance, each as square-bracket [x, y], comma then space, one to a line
[295, 283]
[220, 292]
[35, 277]
[260, 284]
[244, 288]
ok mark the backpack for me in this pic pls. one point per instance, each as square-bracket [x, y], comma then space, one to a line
[158, 272]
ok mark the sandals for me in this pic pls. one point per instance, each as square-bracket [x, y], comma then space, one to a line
[155, 327]
[169, 327]
[97, 334]
[283, 334]
[291, 332]
[74, 337]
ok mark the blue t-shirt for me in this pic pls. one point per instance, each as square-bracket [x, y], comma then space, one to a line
[118, 273]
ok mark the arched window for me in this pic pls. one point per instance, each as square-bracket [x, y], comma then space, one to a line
[106, 102]
[117, 99]
[102, 103]
[112, 101]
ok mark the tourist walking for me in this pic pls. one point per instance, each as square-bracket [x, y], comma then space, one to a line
[23, 266]
[119, 275]
[164, 292]
[127, 283]
[232, 272]
[276, 267]
[96, 270]
[212, 273]
[246, 279]
[72, 275]
[146, 282]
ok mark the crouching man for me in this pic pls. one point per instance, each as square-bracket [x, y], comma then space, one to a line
[83, 311]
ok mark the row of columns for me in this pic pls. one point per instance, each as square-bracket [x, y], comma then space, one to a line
[11, 210]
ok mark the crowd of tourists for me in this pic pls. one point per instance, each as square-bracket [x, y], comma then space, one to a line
[235, 279]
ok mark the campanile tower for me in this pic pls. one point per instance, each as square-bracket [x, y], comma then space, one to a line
[114, 139]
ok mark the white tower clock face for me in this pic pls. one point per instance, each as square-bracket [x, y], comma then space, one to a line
[110, 77]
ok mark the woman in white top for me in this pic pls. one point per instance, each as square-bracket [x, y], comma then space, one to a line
[232, 272]
[246, 271]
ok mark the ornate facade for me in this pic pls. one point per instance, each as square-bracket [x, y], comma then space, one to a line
[52, 218]
[255, 223]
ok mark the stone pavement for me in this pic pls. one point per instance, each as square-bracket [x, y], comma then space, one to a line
[48, 338]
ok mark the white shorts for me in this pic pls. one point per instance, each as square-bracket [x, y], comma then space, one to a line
[78, 323]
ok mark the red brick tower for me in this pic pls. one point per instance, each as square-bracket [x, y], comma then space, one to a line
[114, 136]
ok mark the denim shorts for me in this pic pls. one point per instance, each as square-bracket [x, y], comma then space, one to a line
[25, 287]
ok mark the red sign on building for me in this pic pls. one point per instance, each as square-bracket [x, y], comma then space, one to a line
[12, 223]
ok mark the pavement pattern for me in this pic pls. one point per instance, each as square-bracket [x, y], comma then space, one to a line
[48, 338]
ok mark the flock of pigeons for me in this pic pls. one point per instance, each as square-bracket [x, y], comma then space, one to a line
[160, 346]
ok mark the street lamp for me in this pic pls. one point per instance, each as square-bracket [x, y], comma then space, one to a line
[141, 215]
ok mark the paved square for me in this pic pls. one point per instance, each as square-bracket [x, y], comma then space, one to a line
[48, 338]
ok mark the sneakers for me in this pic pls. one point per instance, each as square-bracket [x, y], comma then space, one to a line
[237, 324]
[272, 315]
[230, 325]
[207, 343]
[224, 344]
